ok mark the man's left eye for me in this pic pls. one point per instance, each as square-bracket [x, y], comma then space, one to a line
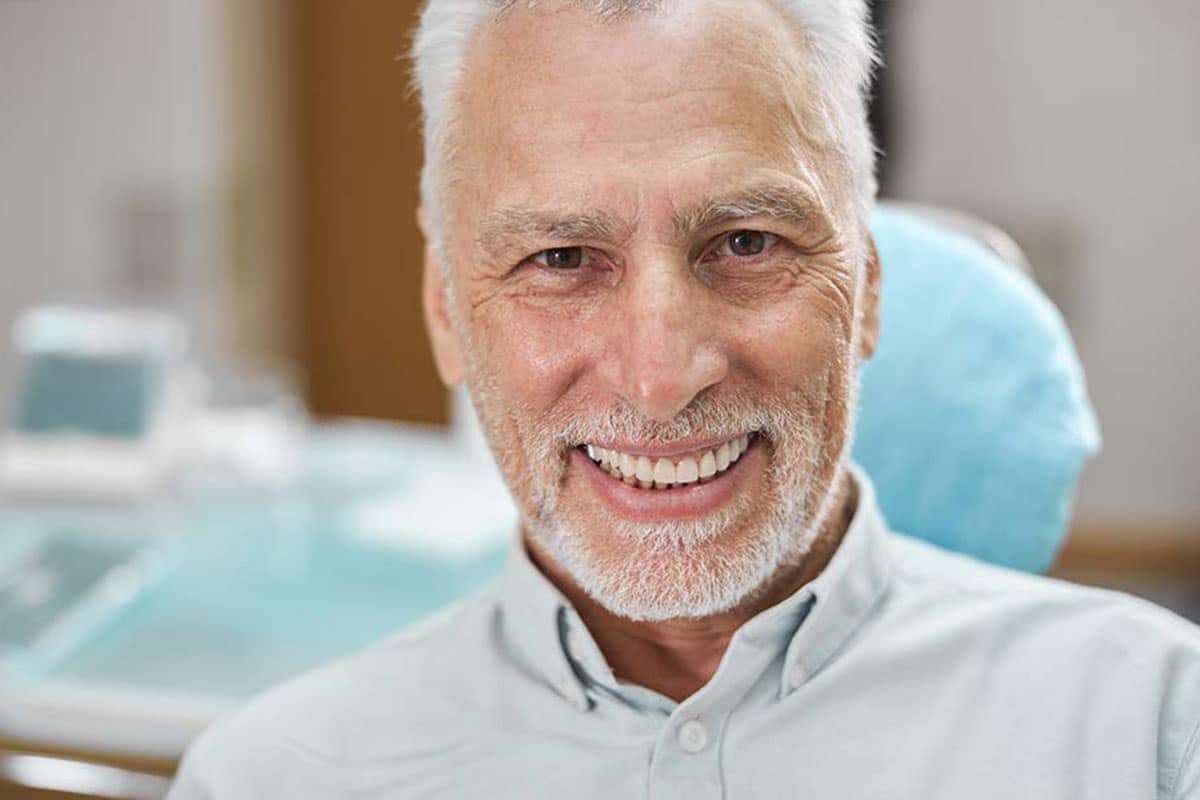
[563, 258]
[744, 244]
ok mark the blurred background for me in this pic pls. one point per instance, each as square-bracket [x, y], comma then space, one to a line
[251, 166]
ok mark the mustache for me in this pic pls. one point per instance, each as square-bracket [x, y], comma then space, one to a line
[707, 417]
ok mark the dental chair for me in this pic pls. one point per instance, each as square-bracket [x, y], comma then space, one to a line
[974, 420]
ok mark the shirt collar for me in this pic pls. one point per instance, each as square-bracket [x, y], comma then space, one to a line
[812, 624]
[845, 592]
[535, 620]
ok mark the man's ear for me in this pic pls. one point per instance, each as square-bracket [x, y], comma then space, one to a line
[447, 350]
[869, 336]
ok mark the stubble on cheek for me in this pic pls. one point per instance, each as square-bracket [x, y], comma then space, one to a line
[508, 402]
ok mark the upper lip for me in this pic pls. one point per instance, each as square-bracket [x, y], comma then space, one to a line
[669, 449]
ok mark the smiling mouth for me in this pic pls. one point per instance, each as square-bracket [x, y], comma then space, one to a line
[675, 472]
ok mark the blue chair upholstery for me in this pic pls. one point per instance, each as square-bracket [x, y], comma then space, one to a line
[974, 420]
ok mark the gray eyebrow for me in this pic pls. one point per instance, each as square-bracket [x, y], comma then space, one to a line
[516, 226]
[778, 201]
[519, 225]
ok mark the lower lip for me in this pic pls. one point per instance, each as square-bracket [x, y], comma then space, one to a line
[656, 505]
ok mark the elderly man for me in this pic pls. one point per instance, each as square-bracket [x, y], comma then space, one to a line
[649, 259]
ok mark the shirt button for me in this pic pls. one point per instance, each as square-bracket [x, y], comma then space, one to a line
[571, 693]
[575, 644]
[692, 736]
[796, 676]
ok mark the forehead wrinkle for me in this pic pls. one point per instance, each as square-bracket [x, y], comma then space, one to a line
[775, 200]
[515, 225]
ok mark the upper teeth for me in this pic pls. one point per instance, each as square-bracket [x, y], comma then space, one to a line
[664, 473]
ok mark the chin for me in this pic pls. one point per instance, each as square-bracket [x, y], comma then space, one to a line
[679, 569]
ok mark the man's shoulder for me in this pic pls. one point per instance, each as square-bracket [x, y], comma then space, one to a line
[1109, 656]
[1044, 628]
[306, 729]
[930, 573]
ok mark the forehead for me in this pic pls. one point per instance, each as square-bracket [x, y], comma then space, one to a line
[558, 104]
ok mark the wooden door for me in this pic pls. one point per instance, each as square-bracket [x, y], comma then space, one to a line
[361, 344]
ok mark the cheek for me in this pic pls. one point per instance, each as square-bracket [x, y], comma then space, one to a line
[797, 344]
[532, 355]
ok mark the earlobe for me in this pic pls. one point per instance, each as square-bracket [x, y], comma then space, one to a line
[447, 350]
[869, 331]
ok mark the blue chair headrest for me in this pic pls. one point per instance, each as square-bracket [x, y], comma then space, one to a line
[974, 420]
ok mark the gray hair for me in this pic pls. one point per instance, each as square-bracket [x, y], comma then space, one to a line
[837, 33]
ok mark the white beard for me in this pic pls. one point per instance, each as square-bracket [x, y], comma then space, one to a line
[676, 569]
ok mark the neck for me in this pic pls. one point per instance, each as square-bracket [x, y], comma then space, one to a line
[677, 657]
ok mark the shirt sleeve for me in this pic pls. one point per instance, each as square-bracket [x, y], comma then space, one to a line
[188, 783]
[1187, 782]
[241, 759]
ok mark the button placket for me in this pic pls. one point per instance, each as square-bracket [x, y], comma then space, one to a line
[690, 747]
[686, 760]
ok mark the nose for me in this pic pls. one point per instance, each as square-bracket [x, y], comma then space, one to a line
[667, 346]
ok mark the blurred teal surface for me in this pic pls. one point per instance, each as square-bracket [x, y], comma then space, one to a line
[244, 607]
[56, 584]
[236, 590]
[109, 396]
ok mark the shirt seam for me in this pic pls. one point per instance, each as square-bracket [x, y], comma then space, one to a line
[1188, 752]
[1055, 584]
[329, 759]
[918, 575]
[335, 756]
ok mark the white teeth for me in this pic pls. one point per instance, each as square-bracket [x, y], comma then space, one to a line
[628, 465]
[645, 471]
[723, 458]
[664, 473]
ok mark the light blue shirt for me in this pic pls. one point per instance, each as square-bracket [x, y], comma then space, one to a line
[902, 671]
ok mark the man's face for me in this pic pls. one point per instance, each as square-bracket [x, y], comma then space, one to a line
[655, 289]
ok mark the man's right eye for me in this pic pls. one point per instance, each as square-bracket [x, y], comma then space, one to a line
[564, 258]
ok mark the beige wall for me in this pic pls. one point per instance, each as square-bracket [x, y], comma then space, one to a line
[1076, 125]
[112, 154]
[143, 159]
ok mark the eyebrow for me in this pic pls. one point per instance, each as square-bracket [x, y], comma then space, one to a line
[515, 226]
[776, 200]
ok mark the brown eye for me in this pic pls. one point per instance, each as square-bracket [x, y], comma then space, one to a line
[562, 258]
[747, 243]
